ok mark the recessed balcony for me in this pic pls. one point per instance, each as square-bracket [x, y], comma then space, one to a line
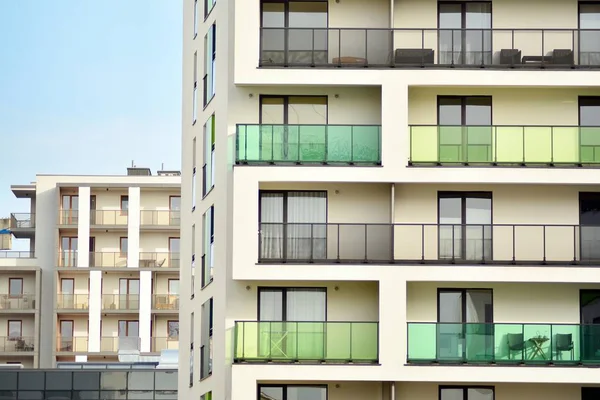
[120, 302]
[502, 244]
[165, 259]
[308, 144]
[325, 342]
[504, 48]
[22, 302]
[72, 302]
[505, 145]
[17, 254]
[160, 218]
[104, 218]
[159, 344]
[22, 225]
[165, 302]
[16, 344]
[503, 343]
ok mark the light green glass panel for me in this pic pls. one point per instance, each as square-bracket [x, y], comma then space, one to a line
[452, 142]
[424, 143]
[247, 339]
[508, 146]
[479, 342]
[266, 137]
[338, 341]
[565, 144]
[590, 144]
[538, 342]
[479, 144]
[249, 142]
[364, 341]
[562, 334]
[538, 144]
[310, 344]
[366, 144]
[310, 142]
[339, 144]
[509, 342]
[422, 342]
[450, 342]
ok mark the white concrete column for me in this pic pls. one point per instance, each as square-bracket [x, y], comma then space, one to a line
[83, 228]
[133, 228]
[392, 322]
[95, 310]
[395, 134]
[145, 309]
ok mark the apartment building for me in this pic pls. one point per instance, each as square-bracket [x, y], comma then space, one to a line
[99, 281]
[390, 200]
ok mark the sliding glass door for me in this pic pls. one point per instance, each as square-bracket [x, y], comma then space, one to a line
[465, 35]
[589, 36]
[291, 324]
[293, 226]
[589, 230]
[465, 231]
[464, 330]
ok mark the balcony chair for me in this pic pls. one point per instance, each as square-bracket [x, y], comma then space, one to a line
[414, 56]
[515, 342]
[510, 56]
[563, 57]
[564, 342]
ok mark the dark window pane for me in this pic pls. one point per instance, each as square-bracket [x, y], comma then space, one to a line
[480, 394]
[165, 395]
[86, 395]
[31, 380]
[31, 395]
[449, 111]
[8, 380]
[140, 395]
[166, 380]
[451, 394]
[308, 15]
[113, 395]
[306, 393]
[58, 381]
[589, 111]
[271, 308]
[58, 394]
[114, 380]
[86, 381]
[478, 111]
[273, 15]
[271, 393]
[141, 380]
[8, 395]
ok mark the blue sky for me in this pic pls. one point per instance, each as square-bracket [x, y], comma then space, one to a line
[86, 87]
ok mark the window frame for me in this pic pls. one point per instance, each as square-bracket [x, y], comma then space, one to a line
[169, 337]
[286, 104]
[195, 18]
[16, 296]
[208, 241]
[207, 9]
[284, 290]
[8, 335]
[121, 239]
[210, 55]
[206, 344]
[463, 107]
[124, 202]
[208, 158]
[286, 386]
[465, 390]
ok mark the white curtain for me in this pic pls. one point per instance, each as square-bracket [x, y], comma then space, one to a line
[307, 229]
[271, 216]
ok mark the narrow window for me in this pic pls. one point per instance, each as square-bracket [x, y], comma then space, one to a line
[208, 246]
[206, 340]
[15, 287]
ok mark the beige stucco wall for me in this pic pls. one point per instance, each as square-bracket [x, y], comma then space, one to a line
[429, 391]
[80, 282]
[28, 282]
[27, 325]
[510, 106]
[156, 199]
[156, 241]
[512, 302]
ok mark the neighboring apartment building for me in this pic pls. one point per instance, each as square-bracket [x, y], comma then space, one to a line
[100, 282]
[390, 200]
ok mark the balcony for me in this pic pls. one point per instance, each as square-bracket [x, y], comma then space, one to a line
[165, 302]
[17, 254]
[159, 259]
[502, 48]
[505, 145]
[72, 344]
[17, 303]
[164, 343]
[502, 244]
[16, 344]
[108, 218]
[103, 259]
[68, 217]
[67, 259]
[72, 302]
[120, 302]
[308, 144]
[160, 218]
[114, 344]
[513, 343]
[336, 342]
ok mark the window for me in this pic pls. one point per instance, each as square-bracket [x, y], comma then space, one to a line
[68, 251]
[289, 392]
[129, 329]
[15, 330]
[193, 269]
[465, 132]
[195, 98]
[208, 223]
[192, 349]
[174, 250]
[208, 6]
[194, 190]
[195, 18]
[208, 168]
[124, 205]
[210, 53]
[306, 110]
[173, 329]
[206, 330]
[123, 246]
[292, 304]
[207, 396]
[466, 393]
[15, 287]
[174, 286]
[465, 230]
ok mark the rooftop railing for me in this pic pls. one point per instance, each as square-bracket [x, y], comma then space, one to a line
[16, 344]
[308, 144]
[507, 343]
[407, 47]
[355, 342]
[160, 218]
[504, 145]
[22, 221]
[429, 243]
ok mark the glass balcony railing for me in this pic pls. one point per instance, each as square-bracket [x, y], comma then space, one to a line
[16, 344]
[165, 302]
[160, 218]
[108, 217]
[418, 47]
[72, 301]
[159, 259]
[22, 221]
[164, 343]
[107, 259]
[429, 243]
[120, 302]
[72, 344]
[308, 144]
[505, 145]
[355, 342]
[503, 343]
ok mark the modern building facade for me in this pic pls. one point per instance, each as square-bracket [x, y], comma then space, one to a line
[100, 279]
[390, 200]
